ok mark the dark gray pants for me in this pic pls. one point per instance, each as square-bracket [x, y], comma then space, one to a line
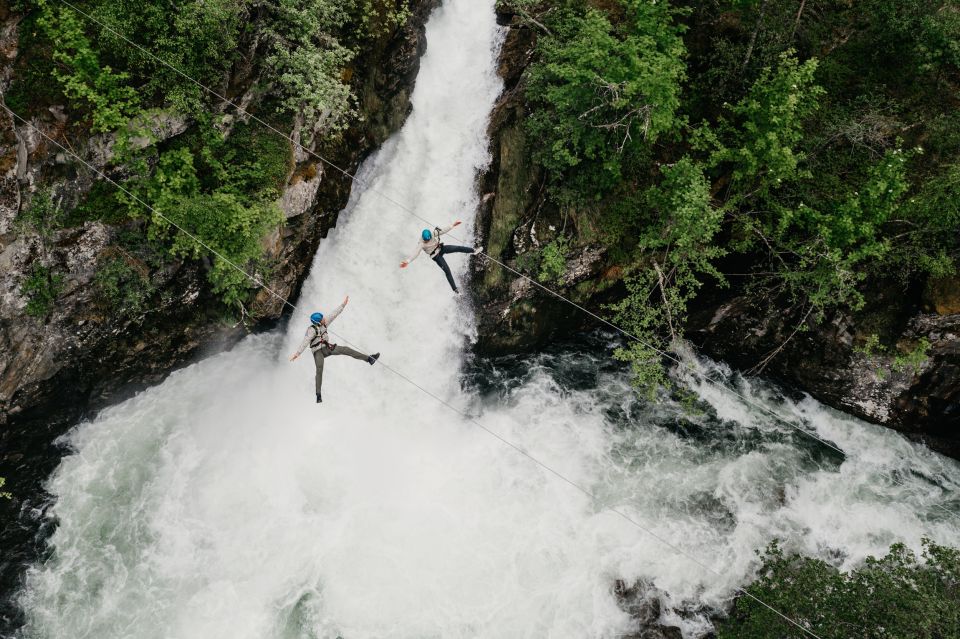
[326, 351]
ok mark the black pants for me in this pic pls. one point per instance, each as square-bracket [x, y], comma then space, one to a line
[442, 263]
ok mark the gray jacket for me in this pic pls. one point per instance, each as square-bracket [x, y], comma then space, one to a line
[316, 335]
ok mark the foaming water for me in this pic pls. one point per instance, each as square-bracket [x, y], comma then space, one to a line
[225, 503]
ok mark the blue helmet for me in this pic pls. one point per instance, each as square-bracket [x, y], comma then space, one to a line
[316, 318]
[426, 235]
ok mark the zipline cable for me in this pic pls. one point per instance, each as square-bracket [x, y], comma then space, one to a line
[519, 449]
[549, 291]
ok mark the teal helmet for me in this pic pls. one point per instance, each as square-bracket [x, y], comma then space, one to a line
[316, 318]
[426, 235]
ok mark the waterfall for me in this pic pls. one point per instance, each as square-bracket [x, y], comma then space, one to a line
[226, 503]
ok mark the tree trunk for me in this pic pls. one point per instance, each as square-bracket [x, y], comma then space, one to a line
[753, 36]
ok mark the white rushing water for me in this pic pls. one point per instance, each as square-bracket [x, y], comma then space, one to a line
[225, 503]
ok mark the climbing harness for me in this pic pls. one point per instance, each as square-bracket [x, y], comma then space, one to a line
[439, 250]
[319, 338]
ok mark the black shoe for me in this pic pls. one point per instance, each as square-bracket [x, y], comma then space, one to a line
[319, 401]
[373, 359]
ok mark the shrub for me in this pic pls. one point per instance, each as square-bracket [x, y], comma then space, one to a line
[41, 288]
[894, 597]
[553, 262]
[83, 77]
[124, 285]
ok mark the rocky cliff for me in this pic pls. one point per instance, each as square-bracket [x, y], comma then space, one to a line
[85, 352]
[896, 362]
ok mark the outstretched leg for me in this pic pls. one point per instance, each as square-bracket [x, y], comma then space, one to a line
[442, 263]
[453, 248]
[349, 352]
[318, 360]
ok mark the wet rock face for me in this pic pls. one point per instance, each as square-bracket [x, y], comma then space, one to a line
[642, 602]
[909, 381]
[58, 367]
[515, 221]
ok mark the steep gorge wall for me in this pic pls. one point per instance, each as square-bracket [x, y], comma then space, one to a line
[827, 359]
[84, 354]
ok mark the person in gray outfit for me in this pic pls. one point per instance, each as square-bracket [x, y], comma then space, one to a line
[317, 339]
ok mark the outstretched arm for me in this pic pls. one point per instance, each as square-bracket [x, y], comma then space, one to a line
[328, 319]
[416, 254]
[303, 344]
[450, 228]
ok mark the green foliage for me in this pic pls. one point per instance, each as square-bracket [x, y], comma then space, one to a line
[41, 216]
[599, 91]
[823, 255]
[30, 87]
[251, 161]
[758, 147]
[199, 37]
[930, 221]
[220, 188]
[308, 45]
[553, 262]
[913, 360]
[232, 228]
[83, 77]
[3, 494]
[871, 346]
[124, 284]
[101, 203]
[228, 207]
[676, 249]
[379, 17]
[306, 61]
[893, 597]
[41, 288]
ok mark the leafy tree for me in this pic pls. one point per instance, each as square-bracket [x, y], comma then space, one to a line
[200, 38]
[307, 62]
[213, 209]
[42, 215]
[601, 91]
[927, 239]
[758, 145]
[41, 287]
[84, 78]
[553, 259]
[125, 285]
[675, 250]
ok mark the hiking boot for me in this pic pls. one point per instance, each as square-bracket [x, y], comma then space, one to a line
[319, 401]
[372, 359]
